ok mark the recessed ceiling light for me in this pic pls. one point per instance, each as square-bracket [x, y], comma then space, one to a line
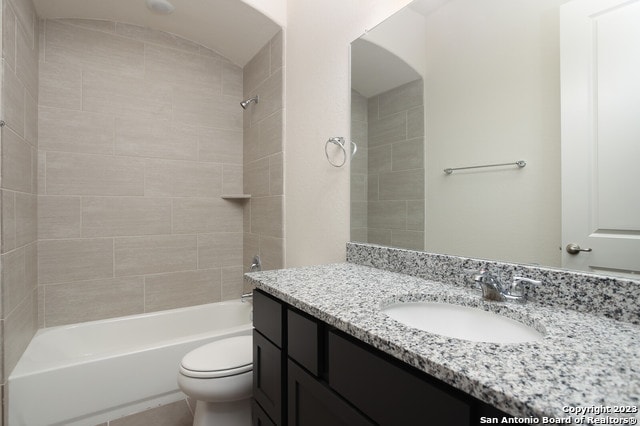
[162, 7]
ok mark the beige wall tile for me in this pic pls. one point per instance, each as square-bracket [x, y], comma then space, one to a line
[276, 171]
[380, 160]
[272, 252]
[75, 131]
[251, 247]
[373, 189]
[401, 98]
[125, 216]
[81, 301]
[178, 289]
[389, 129]
[91, 24]
[155, 254]
[277, 52]
[27, 61]
[232, 282]
[175, 67]
[26, 218]
[155, 139]
[264, 138]
[41, 168]
[257, 70]
[358, 214]
[412, 240]
[415, 215]
[231, 80]
[206, 108]
[125, 96]
[156, 37]
[405, 185]
[379, 236]
[26, 15]
[16, 162]
[266, 216]
[256, 178]
[415, 123]
[387, 215]
[220, 146]
[194, 215]
[372, 109]
[271, 98]
[12, 100]
[19, 327]
[165, 178]
[59, 217]
[358, 187]
[358, 107]
[74, 260]
[84, 174]
[93, 50]
[9, 34]
[8, 221]
[232, 179]
[407, 155]
[219, 249]
[30, 120]
[60, 86]
[14, 279]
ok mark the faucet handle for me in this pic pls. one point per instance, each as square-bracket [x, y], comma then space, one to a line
[518, 286]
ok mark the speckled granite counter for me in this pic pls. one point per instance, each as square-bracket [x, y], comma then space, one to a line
[584, 360]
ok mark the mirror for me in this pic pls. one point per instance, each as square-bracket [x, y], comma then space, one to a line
[489, 72]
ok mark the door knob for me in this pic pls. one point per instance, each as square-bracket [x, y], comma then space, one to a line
[574, 248]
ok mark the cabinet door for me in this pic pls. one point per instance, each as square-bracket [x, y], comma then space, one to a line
[267, 376]
[389, 394]
[258, 416]
[313, 404]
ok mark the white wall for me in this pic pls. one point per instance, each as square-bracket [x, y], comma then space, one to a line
[492, 99]
[317, 107]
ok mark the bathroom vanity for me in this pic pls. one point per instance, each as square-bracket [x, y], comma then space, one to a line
[326, 353]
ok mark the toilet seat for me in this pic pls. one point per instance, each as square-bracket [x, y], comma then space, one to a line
[222, 358]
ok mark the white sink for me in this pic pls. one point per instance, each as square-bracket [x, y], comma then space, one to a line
[461, 322]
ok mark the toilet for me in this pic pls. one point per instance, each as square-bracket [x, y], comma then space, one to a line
[219, 376]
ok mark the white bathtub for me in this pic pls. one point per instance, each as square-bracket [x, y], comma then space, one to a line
[88, 373]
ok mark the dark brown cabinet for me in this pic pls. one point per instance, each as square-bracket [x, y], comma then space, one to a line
[307, 373]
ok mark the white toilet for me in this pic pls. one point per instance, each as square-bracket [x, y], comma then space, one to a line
[219, 376]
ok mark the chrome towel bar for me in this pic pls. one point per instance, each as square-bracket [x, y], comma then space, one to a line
[520, 164]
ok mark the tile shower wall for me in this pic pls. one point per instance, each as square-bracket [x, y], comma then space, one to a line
[395, 168]
[359, 166]
[263, 156]
[18, 307]
[140, 134]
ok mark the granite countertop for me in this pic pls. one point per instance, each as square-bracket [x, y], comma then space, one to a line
[583, 362]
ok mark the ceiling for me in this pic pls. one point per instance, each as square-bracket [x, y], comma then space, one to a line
[230, 27]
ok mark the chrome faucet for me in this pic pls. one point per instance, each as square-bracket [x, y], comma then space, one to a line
[494, 289]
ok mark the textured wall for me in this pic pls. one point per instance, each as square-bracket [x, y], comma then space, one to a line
[317, 90]
[18, 319]
[263, 156]
[396, 167]
[140, 134]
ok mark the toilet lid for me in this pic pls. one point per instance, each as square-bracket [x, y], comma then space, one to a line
[226, 357]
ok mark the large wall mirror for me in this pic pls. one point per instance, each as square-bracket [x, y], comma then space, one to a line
[456, 83]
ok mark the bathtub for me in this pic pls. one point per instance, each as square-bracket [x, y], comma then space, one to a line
[89, 373]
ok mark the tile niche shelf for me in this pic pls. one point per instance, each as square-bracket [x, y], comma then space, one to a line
[236, 197]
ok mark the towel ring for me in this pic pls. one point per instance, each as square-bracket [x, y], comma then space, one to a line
[339, 141]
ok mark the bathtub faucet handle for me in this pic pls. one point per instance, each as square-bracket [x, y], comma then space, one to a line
[246, 297]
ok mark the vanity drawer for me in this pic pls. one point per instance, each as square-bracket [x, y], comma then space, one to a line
[302, 340]
[267, 317]
[372, 384]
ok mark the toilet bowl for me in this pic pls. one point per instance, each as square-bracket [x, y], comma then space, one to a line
[219, 376]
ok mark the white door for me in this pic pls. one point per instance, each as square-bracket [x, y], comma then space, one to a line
[600, 98]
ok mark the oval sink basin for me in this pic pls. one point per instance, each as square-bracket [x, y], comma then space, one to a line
[461, 322]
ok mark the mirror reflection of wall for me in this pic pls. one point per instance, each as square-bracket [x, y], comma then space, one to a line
[491, 95]
[387, 172]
